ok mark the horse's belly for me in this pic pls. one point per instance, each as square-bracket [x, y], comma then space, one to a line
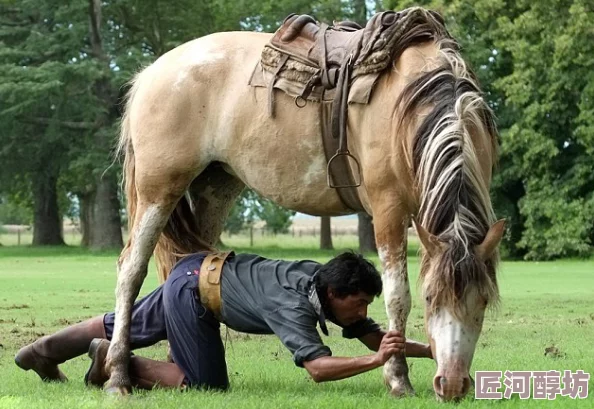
[294, 183]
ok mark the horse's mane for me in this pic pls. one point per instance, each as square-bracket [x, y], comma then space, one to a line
[454, 198]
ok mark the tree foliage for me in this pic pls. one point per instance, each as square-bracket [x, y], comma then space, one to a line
[551, 144]
[535, 60]
[251, 207]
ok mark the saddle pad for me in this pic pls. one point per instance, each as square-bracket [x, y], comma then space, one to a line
[360, 91]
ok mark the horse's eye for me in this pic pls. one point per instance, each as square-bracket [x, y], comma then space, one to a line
[428, 299]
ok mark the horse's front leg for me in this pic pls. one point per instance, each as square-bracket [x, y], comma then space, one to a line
[391, 240]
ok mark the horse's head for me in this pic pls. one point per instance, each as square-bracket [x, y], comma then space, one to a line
[458, 283]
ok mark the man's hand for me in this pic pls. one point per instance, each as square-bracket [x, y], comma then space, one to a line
[331, 368]
[392, 343]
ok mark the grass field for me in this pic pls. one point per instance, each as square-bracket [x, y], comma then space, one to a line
[42, 290]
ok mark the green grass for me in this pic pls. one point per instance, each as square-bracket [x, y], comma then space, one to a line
[42, 290]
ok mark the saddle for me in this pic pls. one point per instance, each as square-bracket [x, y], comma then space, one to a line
[323, 46]
[339, 65]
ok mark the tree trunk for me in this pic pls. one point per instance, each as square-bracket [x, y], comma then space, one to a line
[326, 234]
[106, 225]
[85, 201]
[366, 234]
[47, 230]
[513, 191]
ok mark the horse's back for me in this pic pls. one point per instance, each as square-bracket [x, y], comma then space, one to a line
[206, 61]
[178, 100]
[216, 51]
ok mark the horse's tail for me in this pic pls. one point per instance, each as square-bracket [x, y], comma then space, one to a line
[125, 149]
[180, 236]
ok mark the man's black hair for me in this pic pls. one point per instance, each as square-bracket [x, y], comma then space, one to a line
[348, 274]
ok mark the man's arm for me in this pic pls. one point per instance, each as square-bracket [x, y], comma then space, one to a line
[329, 368]
[413, 349]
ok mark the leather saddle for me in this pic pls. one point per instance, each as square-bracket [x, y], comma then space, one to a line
[339, 64]
[326, 47]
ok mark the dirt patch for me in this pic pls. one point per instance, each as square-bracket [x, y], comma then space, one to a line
[554, 352]
[15, 307]
[62, 322]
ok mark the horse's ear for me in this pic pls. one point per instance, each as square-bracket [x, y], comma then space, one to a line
[491, 241]
[430, 242]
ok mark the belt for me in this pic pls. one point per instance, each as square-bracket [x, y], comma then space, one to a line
[209, 284]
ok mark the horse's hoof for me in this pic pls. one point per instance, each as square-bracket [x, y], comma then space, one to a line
[400, 389]
[118, 390]
[402, 392]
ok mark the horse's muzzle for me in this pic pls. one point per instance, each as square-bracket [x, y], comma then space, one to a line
[451, 388]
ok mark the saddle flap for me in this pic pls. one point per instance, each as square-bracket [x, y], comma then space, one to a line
[262, 78]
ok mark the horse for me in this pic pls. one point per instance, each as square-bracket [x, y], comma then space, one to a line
[195, 133]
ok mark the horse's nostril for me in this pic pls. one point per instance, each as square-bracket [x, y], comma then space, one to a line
[438, 385]
[451, 389]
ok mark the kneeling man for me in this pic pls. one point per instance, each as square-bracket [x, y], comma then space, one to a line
[248, 293]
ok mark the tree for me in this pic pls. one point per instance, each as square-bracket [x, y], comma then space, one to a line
[46, 106]
[277, 218]
[366, 234]
[551, 143]
[326, 233]
[32, 97]
[235, 221]
[250, 207]
[12, 213]
[64, 66]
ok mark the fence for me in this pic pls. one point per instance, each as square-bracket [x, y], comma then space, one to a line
[12, 235]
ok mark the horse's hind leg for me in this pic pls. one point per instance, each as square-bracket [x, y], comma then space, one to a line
[210, 197]
[212, 194]
[158, 187]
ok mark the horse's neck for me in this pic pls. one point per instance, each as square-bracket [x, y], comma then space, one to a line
[385, 152]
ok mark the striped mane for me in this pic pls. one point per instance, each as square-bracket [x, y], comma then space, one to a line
[453, 194]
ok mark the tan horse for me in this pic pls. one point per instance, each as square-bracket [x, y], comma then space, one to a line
[195, 133]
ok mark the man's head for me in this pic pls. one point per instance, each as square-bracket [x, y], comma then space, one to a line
[346, 285]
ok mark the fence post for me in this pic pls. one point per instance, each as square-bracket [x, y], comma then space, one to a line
[251, 236]
[18, 236]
